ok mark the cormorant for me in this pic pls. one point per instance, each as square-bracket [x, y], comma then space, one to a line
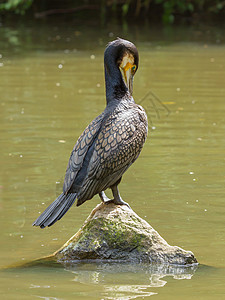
[110, 143]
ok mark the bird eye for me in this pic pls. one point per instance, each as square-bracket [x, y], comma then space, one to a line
[133, 68]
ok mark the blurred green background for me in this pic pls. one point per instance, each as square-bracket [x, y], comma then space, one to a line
[166, 12]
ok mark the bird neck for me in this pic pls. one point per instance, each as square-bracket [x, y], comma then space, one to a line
[116, 89]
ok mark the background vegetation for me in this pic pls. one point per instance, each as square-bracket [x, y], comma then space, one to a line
[168, 11]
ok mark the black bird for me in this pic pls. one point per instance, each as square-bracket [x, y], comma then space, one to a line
[110, 143]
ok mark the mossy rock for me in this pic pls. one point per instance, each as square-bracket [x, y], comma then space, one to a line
[116, 233]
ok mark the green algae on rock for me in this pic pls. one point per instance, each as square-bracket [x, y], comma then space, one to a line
[117, 233]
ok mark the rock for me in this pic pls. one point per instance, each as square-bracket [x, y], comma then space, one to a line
[116, 233]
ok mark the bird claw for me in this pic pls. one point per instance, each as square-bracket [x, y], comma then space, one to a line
[125, 203]
[109, 201]
[116, 202]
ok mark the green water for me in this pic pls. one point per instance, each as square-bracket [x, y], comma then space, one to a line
[51, 87]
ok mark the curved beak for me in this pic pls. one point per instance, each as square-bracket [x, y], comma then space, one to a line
[127, 77]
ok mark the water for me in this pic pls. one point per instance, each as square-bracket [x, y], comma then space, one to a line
[51, 87]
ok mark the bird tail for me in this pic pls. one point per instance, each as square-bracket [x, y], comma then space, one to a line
[56, 210]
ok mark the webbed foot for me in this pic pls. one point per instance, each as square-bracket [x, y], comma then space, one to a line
[117, 198]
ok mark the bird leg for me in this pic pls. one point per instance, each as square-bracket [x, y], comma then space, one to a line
[104, 198]
[117, 198]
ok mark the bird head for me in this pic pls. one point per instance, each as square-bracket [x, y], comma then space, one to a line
[122, 55]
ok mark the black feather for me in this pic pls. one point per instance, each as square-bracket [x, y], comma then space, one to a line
[56, 210]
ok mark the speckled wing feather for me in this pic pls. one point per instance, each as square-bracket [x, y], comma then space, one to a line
[117, 146]
[79, 151]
